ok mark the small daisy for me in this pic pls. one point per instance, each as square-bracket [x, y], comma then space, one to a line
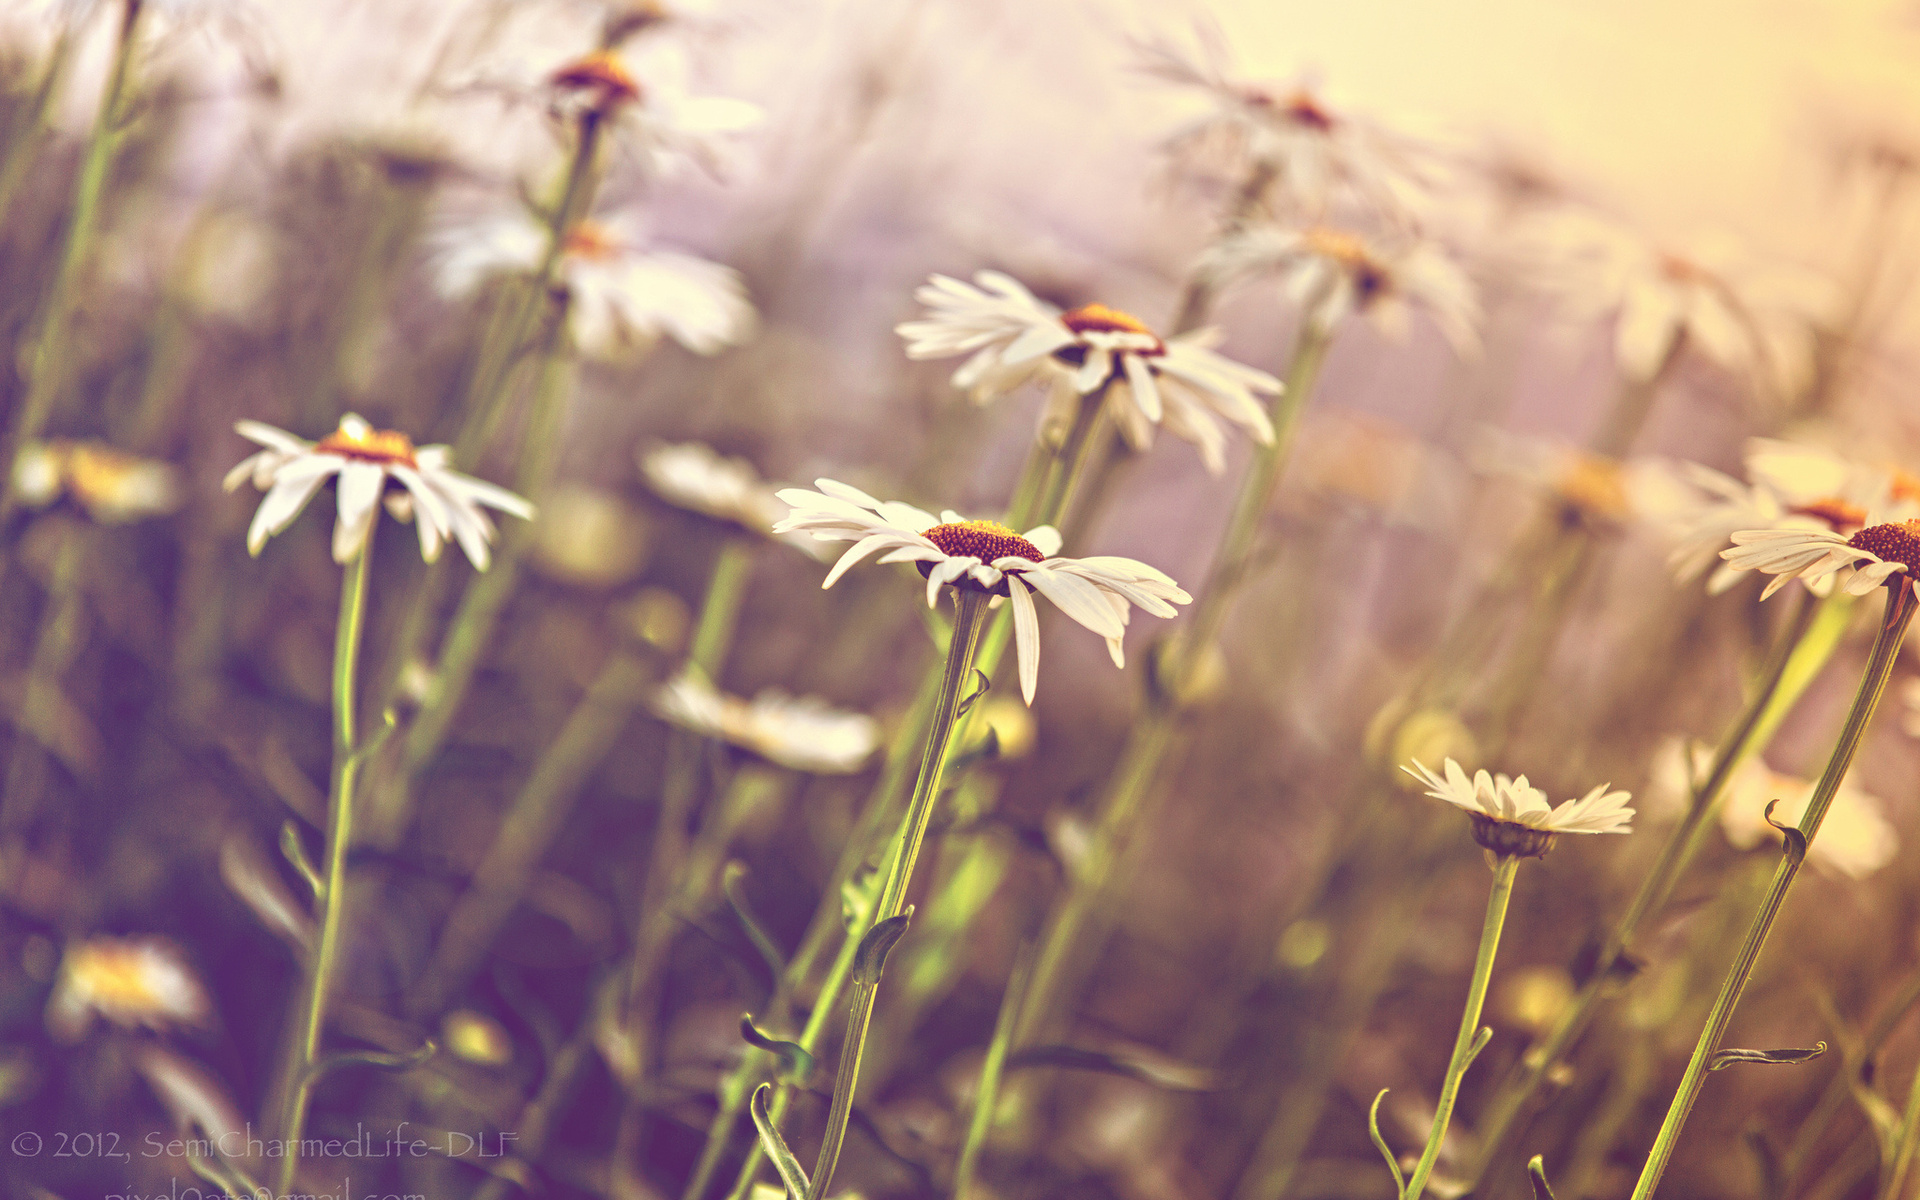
[1874, 554]
[984, 556]
[446, 503]
[1335, 273]
[623, 296]
[691, 475]
[801, 732]
[1014, 338]
[658, 120]
[113, 488]
[135, 983]
[1510, 816]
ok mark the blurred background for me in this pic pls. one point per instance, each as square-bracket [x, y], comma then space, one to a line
[578, 865]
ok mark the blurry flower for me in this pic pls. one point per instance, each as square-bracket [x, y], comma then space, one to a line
[1598, 488]
[984, 556]
[691, 475]
[1009, 723]
[1015, 338]
[476, 1038]
[1855, 839]
[1743, 316]
[621, 296]
[446, 503]
[655, 117]
[804, 733]
[1512, 817]
[589, 537]
[1317, 158]
[113, 488]
[1335, 273]
[134, 983]
[1533, 997]
[659, 618]
[1874, 554]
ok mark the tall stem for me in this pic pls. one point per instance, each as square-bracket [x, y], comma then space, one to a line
[1873, 682]
[970, 607]
[346, 765]
[1504, 870]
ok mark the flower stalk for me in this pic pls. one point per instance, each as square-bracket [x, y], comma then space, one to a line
[1901, 604]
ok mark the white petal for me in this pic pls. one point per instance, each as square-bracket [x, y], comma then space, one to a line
[1026, 636]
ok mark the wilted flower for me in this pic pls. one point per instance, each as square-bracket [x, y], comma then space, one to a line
[1335, 273]
[1512, 817]
[622, 297]
[984, 556]
[804, 732]
[113, 488]
[445, 503]
[135, 983]
[1014, 338]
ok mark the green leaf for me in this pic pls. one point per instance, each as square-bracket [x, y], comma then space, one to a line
[1480, 1041]
[372, 1058]
[295, 852]
[871, 958]
[389, 721]
[1537, 1176]
[982, 686]
[1727, 1058]
[1380, 1144]
[791, 1172]
[769, 953]
[797, 1061]
[1796, 841]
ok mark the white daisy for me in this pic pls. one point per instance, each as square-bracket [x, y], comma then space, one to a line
[113, 488]
[1874, 554]
[446, 504]
[1097, 592]
[659, 120]
[1855, 837]
[1318, 159]
[802, 732]
[1014, 338]
[1511, 816]
[1334, 274]
[622, 297]
[133, 982]
[691, 475]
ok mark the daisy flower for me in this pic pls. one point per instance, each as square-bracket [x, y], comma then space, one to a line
[1013, 338]
[113, 488]
[1098, 592]
[1334, 274]
[659, 120]
[1512, 817]
[134, 983]
[1855, 838]
[691, 475]
[622, 296]
[802, 732]
[447, 504]
[1873, 554]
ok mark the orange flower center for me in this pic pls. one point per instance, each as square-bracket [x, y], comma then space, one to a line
[592, 240]
[987, 541]
[1350, 251]
[1594, 485]
[602, 74]
[1098, 318]
[383, 446]
[1683, 270]
[1892, 543]
[1905, 485]
[116, 978]
[1834, 511]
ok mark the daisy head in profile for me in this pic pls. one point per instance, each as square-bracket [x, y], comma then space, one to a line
[1012, 338]
[416, 483]
[1512, 818]
[983, 556]
[1879, 552]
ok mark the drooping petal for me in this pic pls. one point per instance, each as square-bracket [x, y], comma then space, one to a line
[1026, 636]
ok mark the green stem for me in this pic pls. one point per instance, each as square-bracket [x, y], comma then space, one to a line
[1873, 682]
[970, 606]
[346, 763]
[1804, 649]
[1466, 1043]
[45, 362]
[986, 1097]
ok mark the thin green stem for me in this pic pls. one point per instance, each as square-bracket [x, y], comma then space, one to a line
[1467, 1041]
[1804, 648]
[1873, 683]
[346, 764]
[987, 1095]
[970, 608]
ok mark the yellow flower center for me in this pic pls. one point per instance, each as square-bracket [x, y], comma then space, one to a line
[96, 471]
[1905, 485]
[1370, 276]
[987, 541]
[384, 446]
[1892, 543]
[115, 977]
[601, 73]
[1098, 318]
[1834, 511]
[1595, 486]
[591, 240]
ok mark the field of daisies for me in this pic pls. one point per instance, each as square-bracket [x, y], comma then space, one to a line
[603, 598]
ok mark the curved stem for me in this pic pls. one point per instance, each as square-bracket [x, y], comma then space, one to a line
[346, 764]
[970, 608]
[1465, 1044]
[1873, 682]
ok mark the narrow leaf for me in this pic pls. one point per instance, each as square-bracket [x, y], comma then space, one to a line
[389, 722]
[871, 957]
[1380, 1144]
[373, 1058]
[1537, 1176]
[797, 1063]
[982, 685]
[791, 1172]
[1480, 1041]
[1796, 841]
[295, 852]
[1727, 1058]
[737, 900]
